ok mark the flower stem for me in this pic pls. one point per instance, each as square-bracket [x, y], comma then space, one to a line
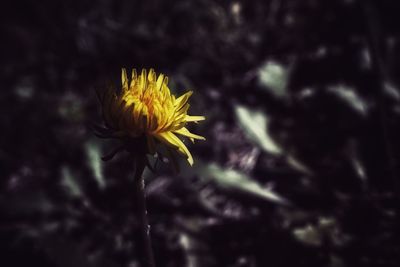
[148, 255]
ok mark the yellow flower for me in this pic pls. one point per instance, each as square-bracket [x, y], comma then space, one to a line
[145, 107]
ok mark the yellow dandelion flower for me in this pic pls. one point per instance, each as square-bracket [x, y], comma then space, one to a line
[145, 107]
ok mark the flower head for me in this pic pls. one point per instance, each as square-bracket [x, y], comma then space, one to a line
[145, 107]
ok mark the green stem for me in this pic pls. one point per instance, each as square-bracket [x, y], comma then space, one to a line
[142, 213]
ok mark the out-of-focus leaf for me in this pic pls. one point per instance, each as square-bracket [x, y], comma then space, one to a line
[297, 165]
[71, 107]
[69, 182]
[309, 235]
[273, 76]
[235, 180]
[325, 229]
[255, 125]
[391, 90]
[189, 244]
[349, 96]
[359, 168]
[24, 89]
[95, 163]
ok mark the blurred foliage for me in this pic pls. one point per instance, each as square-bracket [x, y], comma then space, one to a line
[301, 162]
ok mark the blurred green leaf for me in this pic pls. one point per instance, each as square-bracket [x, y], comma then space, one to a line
[391, 90]
[297, 165]
[349, 96]
[71, 107]
[326, 228]
[24, 88]
[235, 180]
[188, 244]
[309, 235]
[255, 125]
[273, 77]
[94, 160]
[69, 181]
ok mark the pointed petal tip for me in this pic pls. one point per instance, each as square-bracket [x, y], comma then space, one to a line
[124, 79]
[194, 118]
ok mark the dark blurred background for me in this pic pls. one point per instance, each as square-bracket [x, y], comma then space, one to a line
[301, 162]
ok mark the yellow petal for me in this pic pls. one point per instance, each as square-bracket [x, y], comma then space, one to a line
[137, 112]
[171, 139]
[194, 118]
[142, 81]
[181, 101]
[165, 81]
[160, 80]
[133, 78]
[152, 76]
[124, 80]
[166, 93]
[185, 132]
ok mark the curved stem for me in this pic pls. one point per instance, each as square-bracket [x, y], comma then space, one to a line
[148, 255]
